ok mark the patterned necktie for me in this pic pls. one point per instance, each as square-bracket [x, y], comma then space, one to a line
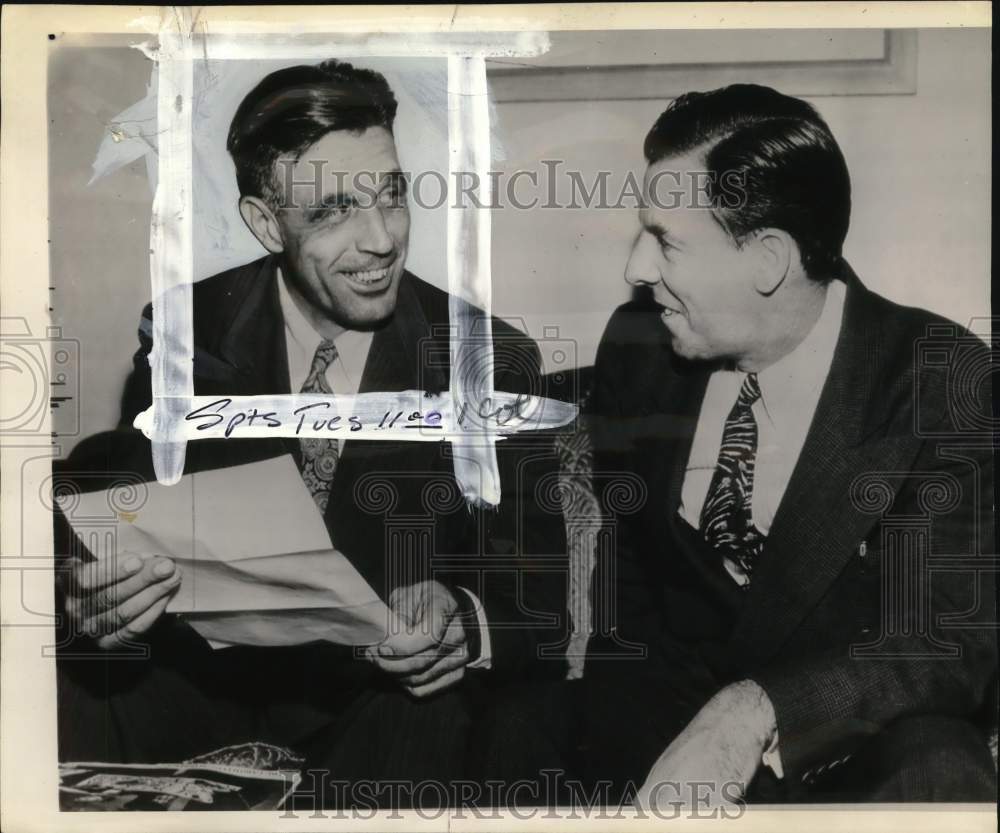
[727, 517]
[319, 456]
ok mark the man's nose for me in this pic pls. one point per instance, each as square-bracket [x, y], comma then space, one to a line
[642, 268]
[375, 238]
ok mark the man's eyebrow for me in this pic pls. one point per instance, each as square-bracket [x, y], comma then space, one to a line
[382, 179]
[393, 178]
[660, 231]
[336, 199]
[386, 180]
[339, 199]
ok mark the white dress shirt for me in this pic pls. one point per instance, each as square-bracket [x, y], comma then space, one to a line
[343, 375]
[789, 393]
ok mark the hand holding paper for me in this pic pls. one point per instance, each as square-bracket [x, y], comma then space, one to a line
[431, 654]
[254, 562]
[115, 601]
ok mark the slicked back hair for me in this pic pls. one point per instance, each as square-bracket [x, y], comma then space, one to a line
[791, 171]
[292, 109]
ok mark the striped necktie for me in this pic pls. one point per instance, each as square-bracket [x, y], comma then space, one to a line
[727, 516]
[319, 456]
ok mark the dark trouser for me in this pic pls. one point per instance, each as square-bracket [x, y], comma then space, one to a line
[599, 734]
[389, 750]
[602, 735]
[175, 703]
[184, 699]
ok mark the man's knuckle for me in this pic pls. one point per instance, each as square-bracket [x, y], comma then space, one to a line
[120, 617]
[127, 633]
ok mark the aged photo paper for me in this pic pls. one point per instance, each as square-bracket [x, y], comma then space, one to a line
[481, 416]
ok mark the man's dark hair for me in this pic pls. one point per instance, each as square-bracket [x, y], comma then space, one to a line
[294, 108]
[788, 165]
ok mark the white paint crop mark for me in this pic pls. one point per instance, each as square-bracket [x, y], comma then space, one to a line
[168, 421]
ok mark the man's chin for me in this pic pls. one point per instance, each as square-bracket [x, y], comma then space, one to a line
[370, 324]
[678, 340]
[365, 317]
[688, 349]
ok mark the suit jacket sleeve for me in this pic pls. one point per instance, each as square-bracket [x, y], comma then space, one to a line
[827, 705]
[101, 459]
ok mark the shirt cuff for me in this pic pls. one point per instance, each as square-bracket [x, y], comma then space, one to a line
[772, 758]
[485, 658]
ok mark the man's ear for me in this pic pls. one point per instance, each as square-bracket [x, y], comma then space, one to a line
[261, 221]
[777, 252]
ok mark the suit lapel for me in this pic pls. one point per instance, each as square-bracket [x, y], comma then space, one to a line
[246, 357]
[387, 368]
[818, 526]
[393, 364]
[393, 358]
[394, 361]
[254, 340]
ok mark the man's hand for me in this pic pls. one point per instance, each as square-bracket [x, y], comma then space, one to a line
[432, 654]
[721, 746]
[116, 600]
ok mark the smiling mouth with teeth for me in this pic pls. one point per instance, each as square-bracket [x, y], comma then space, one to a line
[368, 276]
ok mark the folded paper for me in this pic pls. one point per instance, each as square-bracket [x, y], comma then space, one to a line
[258, 567]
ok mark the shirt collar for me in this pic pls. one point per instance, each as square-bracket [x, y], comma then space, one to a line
[785, 384]
[352, 345]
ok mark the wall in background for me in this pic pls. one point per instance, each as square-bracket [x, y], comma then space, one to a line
[920, 168]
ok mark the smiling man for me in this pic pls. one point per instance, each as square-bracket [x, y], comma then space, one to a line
[768, 624]
[344, 264]
[756, 393]
[331, 309]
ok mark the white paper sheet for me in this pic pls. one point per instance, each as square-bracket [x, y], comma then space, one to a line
[258, 567]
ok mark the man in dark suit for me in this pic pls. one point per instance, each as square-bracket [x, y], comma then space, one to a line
[799, 603]
[331, 309]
